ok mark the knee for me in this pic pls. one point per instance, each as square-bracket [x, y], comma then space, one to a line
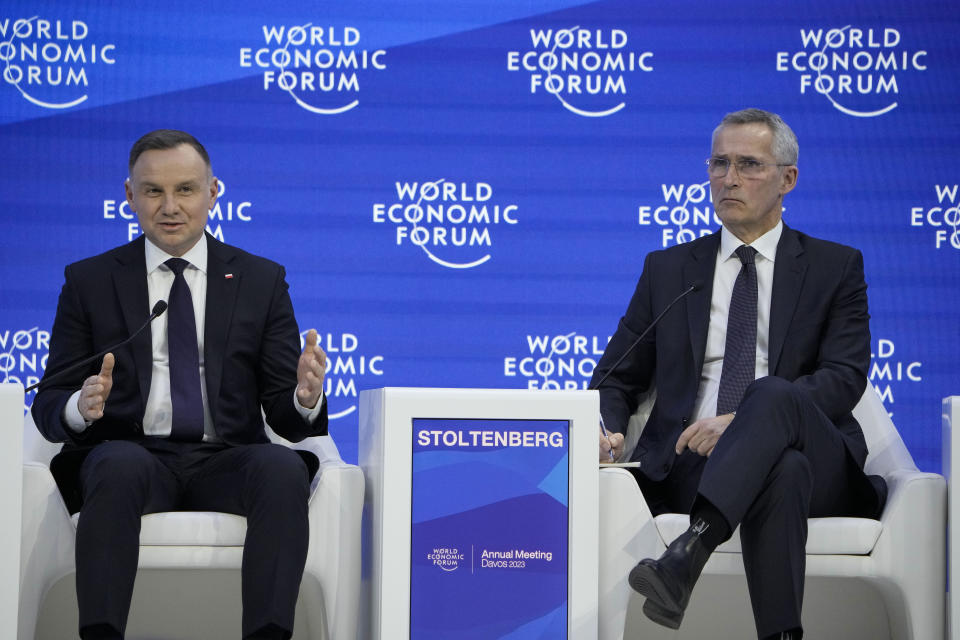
[775, 404]
[771, 389]
[773, 401]
[279, 470]
[116, 463]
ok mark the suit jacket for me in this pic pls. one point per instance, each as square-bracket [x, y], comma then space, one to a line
[251, 349]
[819, 339]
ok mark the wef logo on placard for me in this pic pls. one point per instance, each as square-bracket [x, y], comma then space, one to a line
[346, 364]
[446, 558]
[225, 212]
[886, 371]
[23, 355]
[557, 362]
[585, 69]
[48, 61]
[685, 214]
[857, 70]
[944, 217]
[318, 66]
[450, 222]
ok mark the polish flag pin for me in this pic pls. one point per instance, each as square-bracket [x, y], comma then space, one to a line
[228, 276]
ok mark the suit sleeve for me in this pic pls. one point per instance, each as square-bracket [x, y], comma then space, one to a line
[277, 369]
[70, 341]
[843, 358]
[620, 392]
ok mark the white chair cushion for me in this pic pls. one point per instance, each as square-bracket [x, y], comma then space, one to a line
[191, 529]
[825, 536]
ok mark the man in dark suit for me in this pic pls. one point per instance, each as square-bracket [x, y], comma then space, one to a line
[756, 374]
[172, 420]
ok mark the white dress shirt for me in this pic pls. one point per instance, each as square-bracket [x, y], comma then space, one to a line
[724, 276]
[158, 414]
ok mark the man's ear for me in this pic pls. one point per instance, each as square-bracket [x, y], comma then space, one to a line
[214, 190]
[788, 180]
[128, 189]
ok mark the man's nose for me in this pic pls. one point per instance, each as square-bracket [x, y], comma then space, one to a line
[168, 204]
[732, 178]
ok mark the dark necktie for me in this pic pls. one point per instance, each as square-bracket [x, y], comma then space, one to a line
[740, 352]
[184, 358]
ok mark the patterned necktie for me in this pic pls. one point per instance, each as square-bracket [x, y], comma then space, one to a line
[740, 352]
[184, 358]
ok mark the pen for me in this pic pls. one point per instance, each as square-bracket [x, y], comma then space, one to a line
[606, 435]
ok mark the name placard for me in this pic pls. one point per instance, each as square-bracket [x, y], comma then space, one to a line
[490, 527]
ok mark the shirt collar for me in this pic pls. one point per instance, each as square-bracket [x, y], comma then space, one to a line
[766, 245]
[196, 256]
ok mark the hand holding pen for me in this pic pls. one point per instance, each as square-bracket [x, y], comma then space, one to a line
[611, 444]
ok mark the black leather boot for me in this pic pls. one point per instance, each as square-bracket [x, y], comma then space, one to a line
[668, 582]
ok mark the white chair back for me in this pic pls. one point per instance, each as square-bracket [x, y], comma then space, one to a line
[36, 448]
[886, 449]
[637, 422]
[321, 446]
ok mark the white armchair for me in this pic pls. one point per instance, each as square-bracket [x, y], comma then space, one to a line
[898, 562]
[203, 546]
[950, 455]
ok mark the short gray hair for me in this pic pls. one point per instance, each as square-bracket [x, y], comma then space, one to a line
[784, 145]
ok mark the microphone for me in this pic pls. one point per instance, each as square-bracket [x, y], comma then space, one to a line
[157, 311]
[695, 286]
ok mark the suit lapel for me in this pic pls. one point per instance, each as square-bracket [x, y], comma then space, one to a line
[223, 280]
[788, 274]
[699, 266]
[130, 284]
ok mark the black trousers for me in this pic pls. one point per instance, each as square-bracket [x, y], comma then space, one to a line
[122, 480]
[779, 462]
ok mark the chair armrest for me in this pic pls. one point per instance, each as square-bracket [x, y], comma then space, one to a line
[909, 559]
[11, 504]
[47, 542]
[628, 534]
[625, 518]
[912, 497]
[908, 480]
[47, 528]
[950, 420]
[333, 559]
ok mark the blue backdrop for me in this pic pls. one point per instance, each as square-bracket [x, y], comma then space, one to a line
[463, 192]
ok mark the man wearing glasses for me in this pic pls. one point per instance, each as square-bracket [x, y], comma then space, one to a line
[756, 374]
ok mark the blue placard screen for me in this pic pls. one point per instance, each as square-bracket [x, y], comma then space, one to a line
[490, 523]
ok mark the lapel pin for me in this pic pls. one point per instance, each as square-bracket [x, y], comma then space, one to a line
[228, 276]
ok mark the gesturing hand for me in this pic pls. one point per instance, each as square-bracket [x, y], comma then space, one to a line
[95, 389]
[310, 371]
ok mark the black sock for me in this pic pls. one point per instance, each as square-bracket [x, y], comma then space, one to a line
[269, 632]
[100, 632]
[707, 522]
[793, 634]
